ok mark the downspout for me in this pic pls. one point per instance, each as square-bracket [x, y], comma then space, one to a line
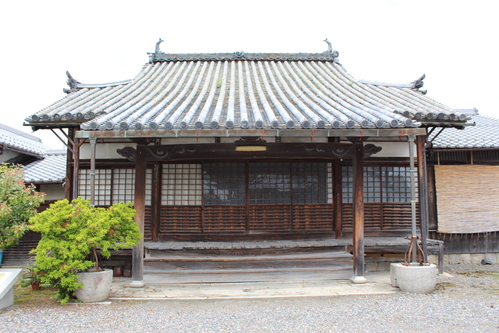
[412, 171]
[93, 145]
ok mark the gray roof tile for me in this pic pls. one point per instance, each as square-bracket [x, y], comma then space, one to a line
[485, 134]
[260, 91]
[13, 139]
[50, 169]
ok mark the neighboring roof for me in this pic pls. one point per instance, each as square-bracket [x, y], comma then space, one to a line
[244, 91]
[50, 169]
[485, 134]
[15, 140]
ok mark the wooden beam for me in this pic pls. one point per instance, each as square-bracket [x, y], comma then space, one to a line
[139, 205]
[423, 191]
[227, 151]
[358, 213]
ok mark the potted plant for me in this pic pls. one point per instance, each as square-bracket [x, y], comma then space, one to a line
[18, 202]
[31, 277]
[73, 234]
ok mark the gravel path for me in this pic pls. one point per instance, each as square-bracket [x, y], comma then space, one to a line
[466, 302]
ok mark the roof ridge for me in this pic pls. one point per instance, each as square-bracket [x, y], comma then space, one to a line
[241, 55]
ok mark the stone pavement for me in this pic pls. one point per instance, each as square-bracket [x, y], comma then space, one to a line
[377, 283]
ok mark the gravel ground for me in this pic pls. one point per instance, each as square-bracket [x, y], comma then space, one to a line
[466, 302]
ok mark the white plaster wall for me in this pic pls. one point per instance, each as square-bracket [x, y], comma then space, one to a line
[393, 149]
[104, 150]
[52, 191]
[7, 155]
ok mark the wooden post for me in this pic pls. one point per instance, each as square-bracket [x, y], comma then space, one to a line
[156, 201]
[139, 205]
[337, 200]
[423, 191]
[358, 213]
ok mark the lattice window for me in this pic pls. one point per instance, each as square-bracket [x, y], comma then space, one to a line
[123, 185]
[311, 183]
[112, 185]
[381, 184]
[372, 184]
[181, 185]
[270, 183]
[224, 184]
[397, 184]
[103, 184]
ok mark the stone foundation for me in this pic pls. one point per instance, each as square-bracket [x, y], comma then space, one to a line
[382, 263]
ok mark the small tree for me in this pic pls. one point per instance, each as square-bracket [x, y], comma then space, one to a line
[18, 203]
[72, 233]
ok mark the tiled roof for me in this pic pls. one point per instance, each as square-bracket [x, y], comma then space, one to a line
[485, 134]
[248, 91]
[50, 169]
[16, 140]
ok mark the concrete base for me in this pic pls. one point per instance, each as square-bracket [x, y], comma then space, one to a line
[8, 278]
[96, 286]
[137, 284]
[414, 278]
[358, 279]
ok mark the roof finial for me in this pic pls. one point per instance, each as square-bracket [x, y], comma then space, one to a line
[329, 46]
[157, 50]
[335, 54]
[72, 83]
[419, 84]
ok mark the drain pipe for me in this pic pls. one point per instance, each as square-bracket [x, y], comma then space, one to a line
[413, 197]
[93, 144]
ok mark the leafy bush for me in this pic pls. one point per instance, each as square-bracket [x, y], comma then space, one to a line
[18, 202]
[71, 235]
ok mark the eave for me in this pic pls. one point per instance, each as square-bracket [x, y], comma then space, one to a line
[298, 133]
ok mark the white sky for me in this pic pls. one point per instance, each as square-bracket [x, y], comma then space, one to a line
[454, 43]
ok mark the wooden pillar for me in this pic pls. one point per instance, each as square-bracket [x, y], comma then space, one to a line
[156, 201]
[140, 207]
[423, 191]
[337, 199]
[358, 213]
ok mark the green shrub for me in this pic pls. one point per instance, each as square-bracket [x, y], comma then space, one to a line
[18, 203]
[71, 235]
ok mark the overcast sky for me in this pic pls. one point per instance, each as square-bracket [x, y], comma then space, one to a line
[453, 42]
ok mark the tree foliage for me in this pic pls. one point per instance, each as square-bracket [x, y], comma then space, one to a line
[18, 202]
[72, 233]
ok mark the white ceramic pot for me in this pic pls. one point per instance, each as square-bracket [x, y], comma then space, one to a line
[96, 286]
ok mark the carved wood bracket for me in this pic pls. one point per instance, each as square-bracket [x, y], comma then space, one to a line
[227, 151]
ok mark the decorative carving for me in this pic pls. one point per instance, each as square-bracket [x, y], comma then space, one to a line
[227, 151]
[251, 139]
[72, 83]
[157, 50]
[239, 55]
[419, 84]
[370, 150]
[128, 152]
[337, 150]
